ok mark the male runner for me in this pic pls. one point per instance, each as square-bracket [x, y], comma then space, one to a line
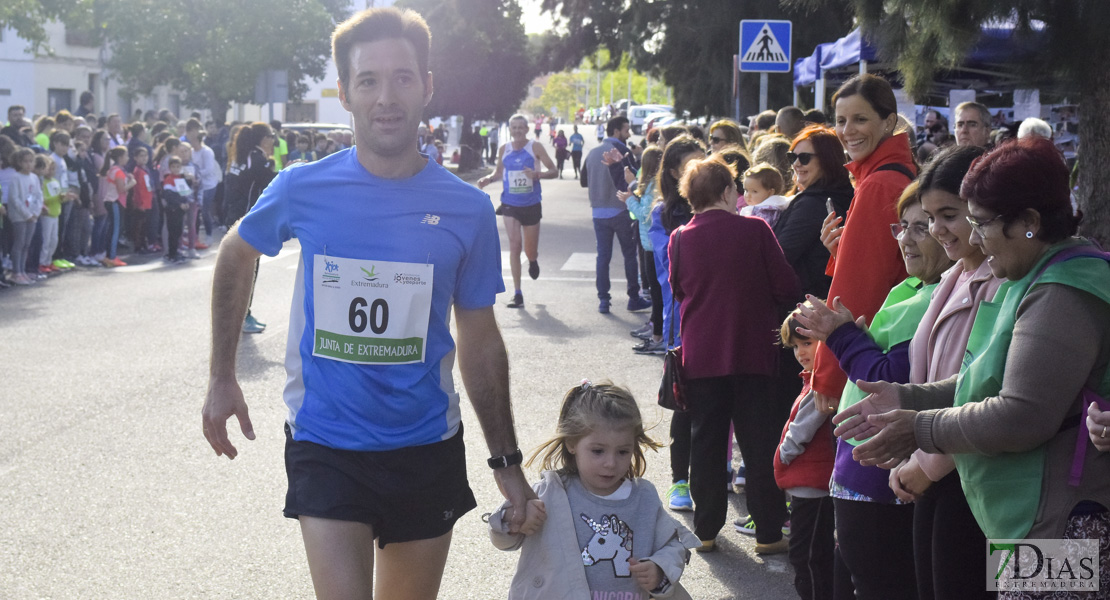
[390, 243]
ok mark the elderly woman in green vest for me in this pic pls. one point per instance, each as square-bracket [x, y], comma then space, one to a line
[1015, 418]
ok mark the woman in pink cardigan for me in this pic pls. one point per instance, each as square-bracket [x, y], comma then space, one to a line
[948, 543]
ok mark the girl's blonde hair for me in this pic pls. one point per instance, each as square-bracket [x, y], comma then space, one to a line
[586, 408]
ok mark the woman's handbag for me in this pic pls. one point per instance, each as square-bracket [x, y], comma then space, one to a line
[672, 388]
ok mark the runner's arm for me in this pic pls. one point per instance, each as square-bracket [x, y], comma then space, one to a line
[231, 288]
[549, 171]
[496, 175]
[485, 373]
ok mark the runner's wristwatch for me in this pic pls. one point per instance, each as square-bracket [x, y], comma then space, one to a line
[508, 460]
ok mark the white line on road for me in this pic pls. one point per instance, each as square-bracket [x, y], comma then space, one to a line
[581, 261]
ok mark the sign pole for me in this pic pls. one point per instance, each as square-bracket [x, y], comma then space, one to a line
[762, 92]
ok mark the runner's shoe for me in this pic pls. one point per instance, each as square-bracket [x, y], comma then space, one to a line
[534, 269]
[517, 302]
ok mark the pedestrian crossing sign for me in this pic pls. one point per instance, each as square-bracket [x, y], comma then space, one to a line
[765, 46]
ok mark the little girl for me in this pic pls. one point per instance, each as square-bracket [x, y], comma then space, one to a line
[604, 517]
[116, 182]
[763, 186]
[23, 197]
[46, 170]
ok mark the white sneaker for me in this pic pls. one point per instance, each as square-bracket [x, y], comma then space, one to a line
[7, 263]
[194, 254]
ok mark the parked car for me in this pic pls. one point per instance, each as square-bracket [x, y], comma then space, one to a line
[639, 114]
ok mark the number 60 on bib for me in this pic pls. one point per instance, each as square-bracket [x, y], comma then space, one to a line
[371, 311]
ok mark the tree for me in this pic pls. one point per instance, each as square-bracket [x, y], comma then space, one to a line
[480, 62]
[927, 36]
[690, 43]
[27, 17]
[213, 50]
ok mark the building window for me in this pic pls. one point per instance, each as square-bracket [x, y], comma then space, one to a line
[57, 100]
[76, 36]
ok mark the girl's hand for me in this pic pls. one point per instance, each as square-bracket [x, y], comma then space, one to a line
[647, 574]
[820, 320]
[623, 196]
[535, 514]
[826, 405]
[830, 233]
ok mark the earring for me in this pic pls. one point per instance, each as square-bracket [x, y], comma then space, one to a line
[1029, 234]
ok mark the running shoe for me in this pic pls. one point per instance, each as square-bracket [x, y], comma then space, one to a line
[644, 333]
[250, 325]
[746, 526]
[638, 304]
[202, 246]
[534, 269]
[650, 347]
[517, 302]
[741, 477]
[678, 497]
[118, 263]
[62, 264]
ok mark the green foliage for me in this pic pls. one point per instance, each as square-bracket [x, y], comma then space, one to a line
[690, 43]
[480, 61]
[27, 18]
[214, 49]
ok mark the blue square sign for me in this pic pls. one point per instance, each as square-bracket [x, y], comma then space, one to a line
[765, 46]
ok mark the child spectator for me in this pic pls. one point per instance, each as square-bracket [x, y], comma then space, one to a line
[52, 195]
[141, 199]
[23, 199]
[763, 186]
[44, 127]
[192, 213]
[175, 195]
[115, 182]
[67, 184]
[803, 466]
[321, 146]
[303, 151]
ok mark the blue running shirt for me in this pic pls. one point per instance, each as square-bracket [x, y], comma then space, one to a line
[344, 216]
[517, 190]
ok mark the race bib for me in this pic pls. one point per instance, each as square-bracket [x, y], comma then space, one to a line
[519, 183]
[182, 187]
[146, 180]
[53, 187]
[370, 311]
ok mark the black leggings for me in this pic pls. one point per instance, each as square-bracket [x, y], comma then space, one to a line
[948, 544]
[876, 543]
[656, 291]
[175, 224]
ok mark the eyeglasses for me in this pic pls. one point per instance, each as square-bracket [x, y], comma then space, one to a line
[977, 225]
[802, 157]
[717, 140]
[917, 231]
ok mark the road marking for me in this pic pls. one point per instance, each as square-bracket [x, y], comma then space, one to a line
[581, 261]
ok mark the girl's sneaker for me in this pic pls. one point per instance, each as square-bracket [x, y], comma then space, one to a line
[116, 262]
[21, 280]
[201, 245]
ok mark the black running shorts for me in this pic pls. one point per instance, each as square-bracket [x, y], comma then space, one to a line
[527, 215]
[407, 494]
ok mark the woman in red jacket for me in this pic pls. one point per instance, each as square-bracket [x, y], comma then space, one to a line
[731, 277]
[865, 266]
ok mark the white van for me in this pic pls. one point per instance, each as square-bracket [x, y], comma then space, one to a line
[640, 113]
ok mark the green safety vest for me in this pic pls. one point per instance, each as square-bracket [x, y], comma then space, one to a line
[281, 149]
[896, 322]
[1004, 490]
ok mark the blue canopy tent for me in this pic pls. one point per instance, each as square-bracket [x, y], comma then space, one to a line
[988, 65]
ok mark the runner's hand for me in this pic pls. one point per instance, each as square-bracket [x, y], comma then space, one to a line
[516, 490]
[224, 400]
[647, 574]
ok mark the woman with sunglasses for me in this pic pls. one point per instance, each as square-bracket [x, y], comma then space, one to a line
[818, 164]
[874, 527]
[1015, 417]
[724, 133]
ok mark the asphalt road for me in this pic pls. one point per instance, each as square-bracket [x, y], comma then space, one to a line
[110, 490]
